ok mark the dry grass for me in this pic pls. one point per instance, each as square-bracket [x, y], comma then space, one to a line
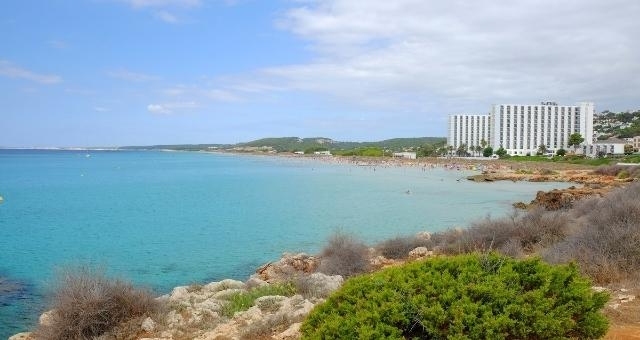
[607, 243]
[344, 255]
[400, 246]
[86, 304]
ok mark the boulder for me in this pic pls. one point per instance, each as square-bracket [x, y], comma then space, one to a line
[289, 265]
[214, 287]
[46, 318]
[319, 285]
[420, 252]
[22, 336]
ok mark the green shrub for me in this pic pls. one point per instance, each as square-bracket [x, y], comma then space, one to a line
[242, 301]
[462, 297]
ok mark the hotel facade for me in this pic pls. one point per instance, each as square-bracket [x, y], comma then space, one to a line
[521, 128]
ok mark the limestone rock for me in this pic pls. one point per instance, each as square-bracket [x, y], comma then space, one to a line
[291, 333]
[420, 252]
[223, 285]
[319, 285]
[289, 265]
[255, 281]
[179, 293]
[424, 235]
[22, 336]
[46, 318]
[148, 325]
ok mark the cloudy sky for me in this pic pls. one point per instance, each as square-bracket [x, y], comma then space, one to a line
[138, 72]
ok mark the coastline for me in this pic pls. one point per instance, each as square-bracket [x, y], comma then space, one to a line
[499, 171]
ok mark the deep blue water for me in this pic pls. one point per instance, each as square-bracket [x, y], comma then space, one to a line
[164, 219]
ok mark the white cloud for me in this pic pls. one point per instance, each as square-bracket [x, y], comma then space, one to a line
[166, 17]
[407, 54]
[170, 108]
[10, 70]
[131, 76]
[101, 109]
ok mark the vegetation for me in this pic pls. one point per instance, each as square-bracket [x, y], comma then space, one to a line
[471, 297]
[242, 301]
[501, 152]
[344, 255]
[363, 152]
[561, 152]
[400, 246]
[487, 152]
[87, 304]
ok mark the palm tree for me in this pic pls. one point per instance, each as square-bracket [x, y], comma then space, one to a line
[479, 149]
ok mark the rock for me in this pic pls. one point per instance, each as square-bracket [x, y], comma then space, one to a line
[380, 261]
[599, 289]
[46, 318]
[320, 285]
[289, 265]
[148, 325]
[420, 252]
[225, 294]
[291, 333]
[174, 320]
[223, 285]
[623, 298]
[520, 205]
[21, 336]
[270, 303]
[255, 281]
[424, 235]
[179, 293]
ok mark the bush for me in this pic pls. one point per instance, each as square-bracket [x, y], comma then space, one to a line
[344, 255]
[472, 296]
[606, 243]
[242, 301]
[528, 232]
[86, 304]
[399, 247]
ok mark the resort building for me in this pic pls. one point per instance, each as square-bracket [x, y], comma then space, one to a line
[636, 143]
[521, 128]
[469, 130]
[611, 146]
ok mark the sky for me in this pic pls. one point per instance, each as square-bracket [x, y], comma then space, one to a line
[145, 72]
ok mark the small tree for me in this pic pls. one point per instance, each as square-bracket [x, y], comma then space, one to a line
[542, 149]
[462, 150]
[479, 149]
[487, 152]
[575, 139]
[628, 149]
[501, 152]
[561, 152]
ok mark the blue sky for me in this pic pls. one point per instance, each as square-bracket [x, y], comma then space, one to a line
[139, 72]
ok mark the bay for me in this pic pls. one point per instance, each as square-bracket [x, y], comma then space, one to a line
[163, 219]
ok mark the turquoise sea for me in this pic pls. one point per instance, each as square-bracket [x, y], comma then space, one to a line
[164, 219]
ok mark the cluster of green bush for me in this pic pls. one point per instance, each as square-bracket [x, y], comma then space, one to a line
[463, 297]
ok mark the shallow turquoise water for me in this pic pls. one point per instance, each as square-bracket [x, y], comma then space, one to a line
[166, 218]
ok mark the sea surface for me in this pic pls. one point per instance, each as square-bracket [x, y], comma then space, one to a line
[164, 219]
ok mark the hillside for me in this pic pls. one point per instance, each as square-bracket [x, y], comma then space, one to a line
[291, 144]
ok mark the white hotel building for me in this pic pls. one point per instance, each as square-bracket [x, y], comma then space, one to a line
[521, 129]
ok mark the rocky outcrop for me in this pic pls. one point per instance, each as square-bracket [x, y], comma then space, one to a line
[564, 198]
[288, 266]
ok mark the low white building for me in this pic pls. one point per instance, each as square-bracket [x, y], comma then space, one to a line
[323, 153]
[636, 143]
[408, 155]
[610, 146]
